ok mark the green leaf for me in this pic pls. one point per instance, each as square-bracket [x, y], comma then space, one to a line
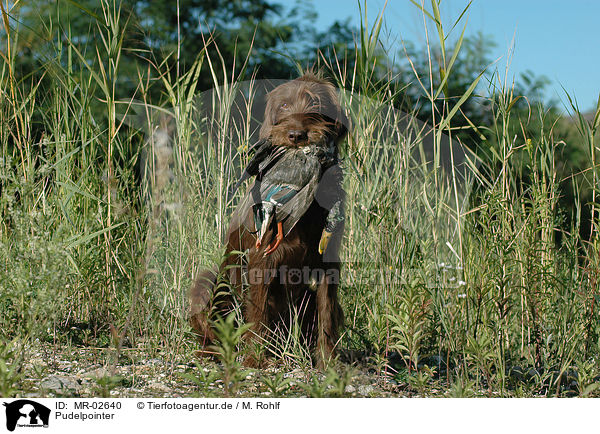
[443, 84]
[422, 9]
[84, 9]
[460, 102]
[74, 242]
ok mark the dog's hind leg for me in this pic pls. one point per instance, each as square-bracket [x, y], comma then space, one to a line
[212, 296]
[201, 305]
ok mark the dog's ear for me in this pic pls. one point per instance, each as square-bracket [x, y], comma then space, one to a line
[269, 118]
[342, 123]
[342, 126]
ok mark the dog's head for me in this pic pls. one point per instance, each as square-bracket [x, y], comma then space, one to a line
[304, 111]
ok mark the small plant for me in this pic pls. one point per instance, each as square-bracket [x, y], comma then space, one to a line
[276, 383]
[421, 379]
[588, 378]
[105, 384]
[338, 383]
[331, 385]
[480, 352]
[408, 323]
[229, 335]
[462, 388]
[315, 388]
[202, 379]
[10, 369]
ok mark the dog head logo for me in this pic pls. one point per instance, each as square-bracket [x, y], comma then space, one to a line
[26, 413]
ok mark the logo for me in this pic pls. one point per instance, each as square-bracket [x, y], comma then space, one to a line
[26, 413]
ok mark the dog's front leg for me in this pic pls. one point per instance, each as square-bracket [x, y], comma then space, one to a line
[330, 315]
[257, 315]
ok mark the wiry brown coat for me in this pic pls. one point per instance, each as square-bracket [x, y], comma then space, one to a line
[299, 112]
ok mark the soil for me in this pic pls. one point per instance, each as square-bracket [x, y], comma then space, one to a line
[55, 371]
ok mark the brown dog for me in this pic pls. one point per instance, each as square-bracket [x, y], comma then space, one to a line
[295, 280]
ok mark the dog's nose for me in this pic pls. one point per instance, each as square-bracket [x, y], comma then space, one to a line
[297, 136]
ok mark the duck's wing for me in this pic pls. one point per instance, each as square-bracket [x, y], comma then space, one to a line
[265, 157]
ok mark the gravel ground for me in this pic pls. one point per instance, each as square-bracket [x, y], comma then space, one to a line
[51, 371]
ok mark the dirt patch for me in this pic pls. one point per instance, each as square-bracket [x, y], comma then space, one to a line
[52, 371]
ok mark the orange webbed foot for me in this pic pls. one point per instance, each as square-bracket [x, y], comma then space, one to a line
[278, 239]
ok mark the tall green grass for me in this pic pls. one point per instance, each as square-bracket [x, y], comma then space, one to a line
[456, 267]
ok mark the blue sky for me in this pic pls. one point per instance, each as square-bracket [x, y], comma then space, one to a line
[557, 38]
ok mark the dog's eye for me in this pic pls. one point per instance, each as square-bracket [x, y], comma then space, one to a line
[284, 105]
